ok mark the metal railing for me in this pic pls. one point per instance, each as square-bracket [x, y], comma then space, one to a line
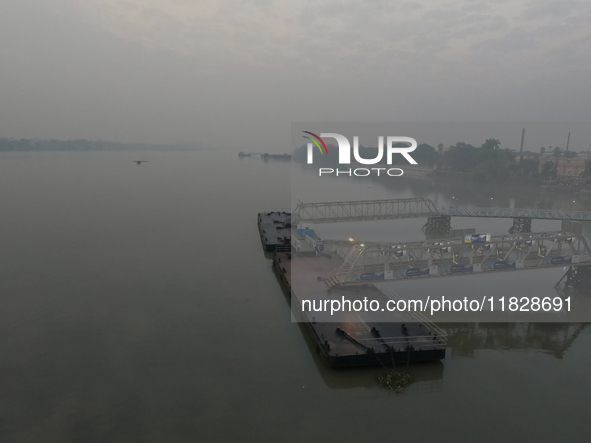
[362, 210]
[544, 214]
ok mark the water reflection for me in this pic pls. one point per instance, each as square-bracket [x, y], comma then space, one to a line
[428, 376]
[454, 192]
[464, 340]
[552, 338]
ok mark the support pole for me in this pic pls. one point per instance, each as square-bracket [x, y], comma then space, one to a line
[521, 149]
[439, 224]
[577, 275]
[520, 225]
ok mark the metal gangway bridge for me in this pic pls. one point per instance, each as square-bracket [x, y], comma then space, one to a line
[369, 262]
[541, 214]
[391, 209]
[362, 210]
[438, 220]
[451, 254]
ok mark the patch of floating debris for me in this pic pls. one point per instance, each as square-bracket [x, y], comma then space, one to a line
[396, 381]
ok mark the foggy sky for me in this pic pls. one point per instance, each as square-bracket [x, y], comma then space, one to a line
[237, 73]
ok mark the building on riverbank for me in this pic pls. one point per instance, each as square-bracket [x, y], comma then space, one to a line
[568, 167]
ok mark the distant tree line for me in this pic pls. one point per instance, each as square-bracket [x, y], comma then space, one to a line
[486, 161]
[489, 159]
[23, 144]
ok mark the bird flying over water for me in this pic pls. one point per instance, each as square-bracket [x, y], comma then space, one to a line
[139, 162]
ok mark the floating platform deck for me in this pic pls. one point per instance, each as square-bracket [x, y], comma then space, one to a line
[356, 338]
[347, 339]
[275, 230]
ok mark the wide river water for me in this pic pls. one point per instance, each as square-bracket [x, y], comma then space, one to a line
[137, 305]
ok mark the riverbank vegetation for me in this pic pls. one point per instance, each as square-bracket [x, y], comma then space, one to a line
[489, 161]
[396, 381]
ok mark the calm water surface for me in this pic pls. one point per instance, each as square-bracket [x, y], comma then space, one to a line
[137, 306]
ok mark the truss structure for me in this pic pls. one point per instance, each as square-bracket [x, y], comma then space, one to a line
[544, 214]
[386, 261]
[362, 210]
[520, 225]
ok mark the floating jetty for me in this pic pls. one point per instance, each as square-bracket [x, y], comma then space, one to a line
[265, 156]
[446, 252]
[473, 254]
[347, 339]
[317, 272]
[275, 230]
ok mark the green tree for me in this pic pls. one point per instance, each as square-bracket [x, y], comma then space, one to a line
[491, 144]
